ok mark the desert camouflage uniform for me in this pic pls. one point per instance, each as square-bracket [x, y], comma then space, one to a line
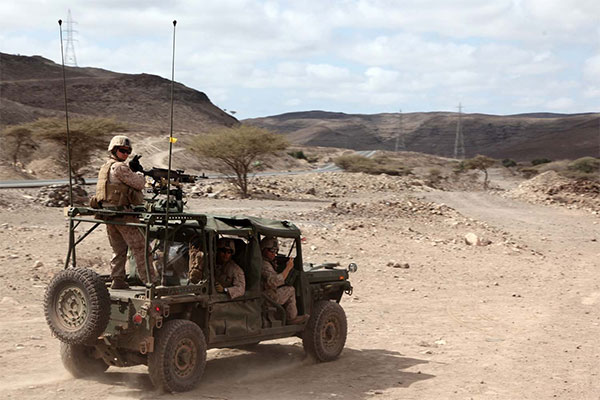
[122, 237]
[273, 287]
[196, 262]
[232, 277]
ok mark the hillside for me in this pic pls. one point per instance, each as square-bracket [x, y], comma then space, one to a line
[521, 137]
[32, 87]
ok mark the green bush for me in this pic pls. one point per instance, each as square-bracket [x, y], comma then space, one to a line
[298, 154]
[586, 165]
[539, 161]
[507, 162]
[374, 166]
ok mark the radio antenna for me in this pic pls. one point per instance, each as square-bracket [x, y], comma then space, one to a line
[171, 140]
[62, 57]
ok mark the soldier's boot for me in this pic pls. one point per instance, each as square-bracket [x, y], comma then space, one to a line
[299, 320]
[119, 283]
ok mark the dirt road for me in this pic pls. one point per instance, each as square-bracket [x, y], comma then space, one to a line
[518, 318]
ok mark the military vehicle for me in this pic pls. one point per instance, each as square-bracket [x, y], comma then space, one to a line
[169, 326]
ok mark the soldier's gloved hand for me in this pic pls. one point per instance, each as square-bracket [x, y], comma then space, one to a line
[219, 288]
[135, 165]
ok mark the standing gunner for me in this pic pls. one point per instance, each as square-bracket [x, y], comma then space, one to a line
[119, 188]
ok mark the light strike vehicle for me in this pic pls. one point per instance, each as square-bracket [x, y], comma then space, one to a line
[169, 326]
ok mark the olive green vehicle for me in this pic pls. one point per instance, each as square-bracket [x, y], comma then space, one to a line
[169, 326]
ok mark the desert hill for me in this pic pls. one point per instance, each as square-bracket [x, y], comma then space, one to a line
[32, 87]
[521, 137]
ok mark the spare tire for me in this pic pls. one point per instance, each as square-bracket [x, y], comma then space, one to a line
[77, 306]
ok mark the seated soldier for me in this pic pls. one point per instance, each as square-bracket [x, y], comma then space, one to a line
[229, 277]
[274, 284]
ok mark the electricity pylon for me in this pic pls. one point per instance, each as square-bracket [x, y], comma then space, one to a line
[399, 135]
[70, 58]
[459, 142]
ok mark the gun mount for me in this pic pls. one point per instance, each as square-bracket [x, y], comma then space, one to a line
[161, 187]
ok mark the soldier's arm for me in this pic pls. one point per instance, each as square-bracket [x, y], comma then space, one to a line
[124, 174]
[272, 279]
[239, 283]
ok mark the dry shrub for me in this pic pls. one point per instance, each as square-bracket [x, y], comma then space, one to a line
[373, 166]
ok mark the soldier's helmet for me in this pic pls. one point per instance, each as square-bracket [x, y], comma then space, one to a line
[119, 141]
[225, 243]
[269, 242]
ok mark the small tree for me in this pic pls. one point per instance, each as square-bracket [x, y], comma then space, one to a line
[481, 163]
[87, 136]
[237, 149]
[16, 138]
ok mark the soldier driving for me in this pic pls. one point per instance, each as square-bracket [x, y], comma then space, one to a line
[274, 284]
[229, 276]
[119, 188]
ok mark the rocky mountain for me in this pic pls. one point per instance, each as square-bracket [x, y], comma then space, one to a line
[32, 87]
[520, 137]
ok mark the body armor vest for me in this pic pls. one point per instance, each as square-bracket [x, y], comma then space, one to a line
[115, 194]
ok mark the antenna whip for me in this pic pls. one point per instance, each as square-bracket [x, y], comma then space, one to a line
[166, 252]
[62, 57]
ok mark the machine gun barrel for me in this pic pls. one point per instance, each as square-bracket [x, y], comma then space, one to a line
[177, 175]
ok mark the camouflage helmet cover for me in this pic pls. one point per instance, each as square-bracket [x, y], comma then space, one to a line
[225, 243]
[269, 243]
[119, 141]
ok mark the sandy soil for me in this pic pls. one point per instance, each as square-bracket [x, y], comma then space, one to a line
[518, 318]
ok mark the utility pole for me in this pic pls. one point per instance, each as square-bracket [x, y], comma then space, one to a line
[459, 142]
[70, 58]
[399, 135]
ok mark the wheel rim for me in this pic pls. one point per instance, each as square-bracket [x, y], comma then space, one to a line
[186, 356]
[72, 308]
[330, 333]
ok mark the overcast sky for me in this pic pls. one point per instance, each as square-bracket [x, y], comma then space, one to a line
[263, 58]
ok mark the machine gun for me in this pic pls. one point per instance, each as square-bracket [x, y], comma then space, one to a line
[160, 184]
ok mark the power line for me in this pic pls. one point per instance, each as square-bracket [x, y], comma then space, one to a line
[70, 58]
[459, 142]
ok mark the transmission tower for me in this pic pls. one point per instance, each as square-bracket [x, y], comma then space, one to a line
[70, 58]
[399, 135]
[459, 142]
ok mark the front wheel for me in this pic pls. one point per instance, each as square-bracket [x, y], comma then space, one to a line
[325, 333]
[81, 360]
[179, 356]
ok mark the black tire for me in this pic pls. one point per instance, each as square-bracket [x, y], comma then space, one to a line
[77, 306]
[179, 356]
[79, 360]
[325, 333]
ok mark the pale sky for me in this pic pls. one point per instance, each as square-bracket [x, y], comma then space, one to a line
[264, 58]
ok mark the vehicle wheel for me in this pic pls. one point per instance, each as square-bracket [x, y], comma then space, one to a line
[179, 356]
[79, 360]
[325, 333]
[77, 306]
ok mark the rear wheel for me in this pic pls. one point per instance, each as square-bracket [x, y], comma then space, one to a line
[179, 356]
[325, 333]
[77, 305]
[80, 360]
